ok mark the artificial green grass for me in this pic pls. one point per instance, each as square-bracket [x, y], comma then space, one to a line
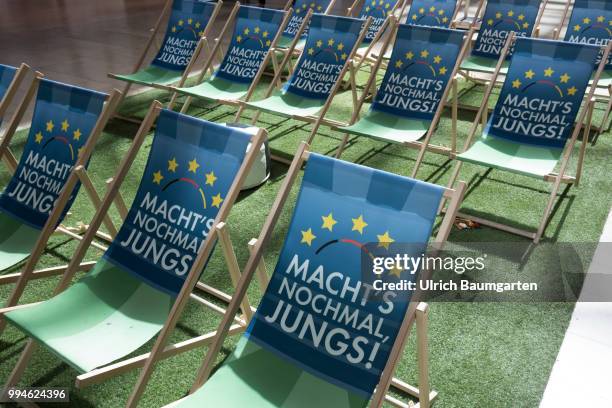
[482, 354]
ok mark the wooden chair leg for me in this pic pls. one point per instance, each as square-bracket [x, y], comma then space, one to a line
[422, 314]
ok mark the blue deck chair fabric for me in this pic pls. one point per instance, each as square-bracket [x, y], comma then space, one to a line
[63, 119]
[320, 320]
[538, 104]
[419, 70]
[124, 301]
[189, 172]
[591, 23]
[300, 9]
[379, 10]
[434, 13]
[7, 73]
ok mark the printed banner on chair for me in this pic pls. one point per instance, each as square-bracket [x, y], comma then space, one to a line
[418, 72]
[379, 10]
[300, 9]
[543, 91]
[501, 18]
[190, 169]
[7, 74]
[327, 49]
[63, 119]
[437, 13]
[591, 23]
[319, 311]
[185, 27]
[253, 34]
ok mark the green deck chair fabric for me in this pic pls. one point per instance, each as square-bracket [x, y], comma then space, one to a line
[217, 89]
[106, 305]
[254, 377]
[16, 241]
[151, 76]
[528, 160]
[288, 105]
[605, 79]
[389, 128]
[483, 64]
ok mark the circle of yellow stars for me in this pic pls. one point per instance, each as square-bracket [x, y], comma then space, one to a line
[192, 167]
[256, 30]
[197, 27]
[330, 43]
[510, 13]
[432, 10]
[372, 6]
[548, 73]
[312, 6]
[65, 126]
[409, 56]
[587, 20]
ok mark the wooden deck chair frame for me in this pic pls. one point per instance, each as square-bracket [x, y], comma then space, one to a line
[255, 263]
[11, 91]
[584, 120]
[424, 145]
[219, 232]
[319, 119]
[218, 53]
[204, 43]
[79, 174]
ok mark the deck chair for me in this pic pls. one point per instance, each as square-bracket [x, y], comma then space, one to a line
[307, 95]
[10, 79]
[407, 106]
[256, 32]
[294, 354]
[301, 8]
[191, 180]
[589, 24]
[500, 18]
[530, 130]
[66, 124]
[189, 26]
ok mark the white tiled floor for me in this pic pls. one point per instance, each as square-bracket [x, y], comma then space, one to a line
[582, 374]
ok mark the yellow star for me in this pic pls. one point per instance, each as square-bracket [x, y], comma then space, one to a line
[256, 30]
[264, 34]
[525, 25]
[193, 165]
[38, 137]
[548, 72]
[529, 74]
[490, 21]
[239, 38]
[157, 177]
[312, 5]
[442, 70]
[197, 24]
[384, 240]
[577, 27]
[437, 59]
[76, 135]
[344, 55]
[174, 29]
[421, 10]
[216, 200]
[319, 8]
[440, 12]
[310, 51]
[367, 8]
[319, 43]
[181, 22]
[189, 20]
[432, 9]
[172, 165]
[521, 17]
[510, 13]
[445, 19]
[50, 126]
[398, 64]
[564, 78]
[424, 54]
[340, 47]
[308, 237]
[586, 20]
[330, 42]
[516, 83]
[600, 19]
[498, 15]
[328, 222]
[359, 224]
[395, 271]
[246, 31]
[211, 178]
[409, 55]
[414, 16]
[268, 42]
[572, 91]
